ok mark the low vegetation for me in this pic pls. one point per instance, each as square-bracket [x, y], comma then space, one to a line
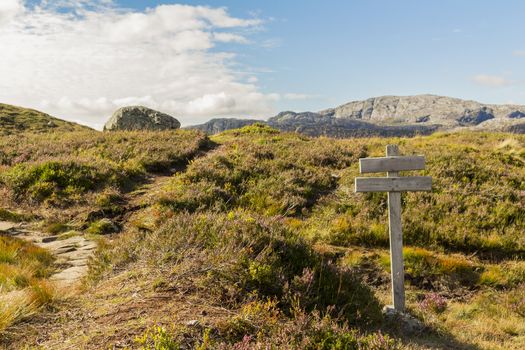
[67, 181]
[24, 269]
[61, 176]
[22, 263]
[15, 120]
[260, 241]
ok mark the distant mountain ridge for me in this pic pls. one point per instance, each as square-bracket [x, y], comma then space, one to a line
[217, 125]
[15, 120]
[393, 116]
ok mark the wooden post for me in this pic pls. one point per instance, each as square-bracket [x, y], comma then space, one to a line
[396, 239]
[392, 164]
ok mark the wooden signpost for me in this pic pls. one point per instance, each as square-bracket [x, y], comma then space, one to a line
[394, 185]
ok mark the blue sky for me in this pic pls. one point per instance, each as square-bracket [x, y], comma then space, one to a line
[338, 51]
[276, 55]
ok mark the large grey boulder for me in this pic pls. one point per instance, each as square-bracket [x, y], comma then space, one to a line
[140, 118]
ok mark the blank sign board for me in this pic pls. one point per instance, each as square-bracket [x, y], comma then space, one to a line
[386, 164]
[393, 184]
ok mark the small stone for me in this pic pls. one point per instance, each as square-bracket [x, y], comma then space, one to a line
[407, 323]
[192, 323]
[49, 239]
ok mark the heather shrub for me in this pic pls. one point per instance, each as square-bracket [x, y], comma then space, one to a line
[433, 302]
[476, 204]
[271, 175]
[244, 257]
[302, 331]
[310, 331]
[80, 168]
[157, 338]
[507, 274]
[37, 182]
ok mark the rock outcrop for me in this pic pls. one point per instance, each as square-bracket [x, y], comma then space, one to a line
[315, 124]
[140, 118]
[432, 109]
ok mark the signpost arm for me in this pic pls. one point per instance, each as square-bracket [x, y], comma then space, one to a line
[396, 240]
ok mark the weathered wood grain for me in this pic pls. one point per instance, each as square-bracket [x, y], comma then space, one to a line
[392, 164]
[393, 184]
[396, 240]
[386, 164]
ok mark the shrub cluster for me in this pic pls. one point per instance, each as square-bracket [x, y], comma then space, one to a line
[60, 169]
[476, 205]
[266, 173]
[239, 258]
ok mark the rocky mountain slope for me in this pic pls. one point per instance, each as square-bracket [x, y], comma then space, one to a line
[393, 116]
[15, 120]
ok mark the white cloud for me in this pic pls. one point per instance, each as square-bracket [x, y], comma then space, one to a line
[230, 38]
[491, 80]
[82, 63]
[9, 9]
[519, 53]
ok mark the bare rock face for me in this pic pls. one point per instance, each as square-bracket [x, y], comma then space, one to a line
[316, 124]
[446, 111]
[140, 118]
[475, 117]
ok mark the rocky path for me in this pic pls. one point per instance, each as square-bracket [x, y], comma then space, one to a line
[72, 253]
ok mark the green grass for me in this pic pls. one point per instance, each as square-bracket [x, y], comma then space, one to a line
[267, 173]
[101, 227]
[21, 263]
[465, 235]
[58, 174]
[24, 267]
[476, 205]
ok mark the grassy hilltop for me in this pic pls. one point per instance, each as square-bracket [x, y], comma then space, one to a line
[254, 239]
[16, 120]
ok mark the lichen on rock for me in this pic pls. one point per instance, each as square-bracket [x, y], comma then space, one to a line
[140, 118]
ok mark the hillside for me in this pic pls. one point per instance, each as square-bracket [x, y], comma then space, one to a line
[254, 239]
[15, 120]
[394, 116]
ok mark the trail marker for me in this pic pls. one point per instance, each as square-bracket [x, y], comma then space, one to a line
[394, 185]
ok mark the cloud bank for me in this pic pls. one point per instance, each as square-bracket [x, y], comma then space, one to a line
[491, 80]
[82, 59]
